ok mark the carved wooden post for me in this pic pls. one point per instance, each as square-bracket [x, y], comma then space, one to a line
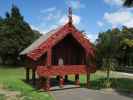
[58, 77]
[66, 78]
[77, 82]
[88, 71]
[49, 57]
[88, 79]
[33, 76]
[61, 81]
[47, 83]
[27, 74]
[41, 83]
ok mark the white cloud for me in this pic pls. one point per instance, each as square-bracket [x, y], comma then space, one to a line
[44, 28]
[76, 19]
[118, 18]
[129, 24]
[92, 37]
[114, 2]
[100, 23]
[51, 16]
[41, 30]
[51, 9]
[75, 4]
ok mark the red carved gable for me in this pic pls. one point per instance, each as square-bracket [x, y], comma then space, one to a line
[58, 36]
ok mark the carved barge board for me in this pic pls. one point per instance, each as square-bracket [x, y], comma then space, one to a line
[63, 70]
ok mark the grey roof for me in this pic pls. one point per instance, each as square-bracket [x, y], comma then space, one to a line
[39, 41]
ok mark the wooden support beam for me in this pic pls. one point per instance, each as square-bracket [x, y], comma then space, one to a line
[58, 77]
[27, 74]
[77, 82]
[48, 84]
[41, 83]
[66, 78]
[49, 57]
[33, 76]
[87, 70]
[88, 80]
[61, 81]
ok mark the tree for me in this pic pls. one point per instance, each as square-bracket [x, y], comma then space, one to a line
[128, 3]
[117, 45]
[127, 42]
[126, 45]
[15, 36]
[107, 47]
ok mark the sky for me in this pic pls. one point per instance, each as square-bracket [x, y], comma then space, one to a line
[91, 16]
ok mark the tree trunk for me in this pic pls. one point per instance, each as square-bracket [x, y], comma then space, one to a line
[108, 68]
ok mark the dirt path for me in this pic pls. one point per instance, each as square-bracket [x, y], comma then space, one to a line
[9, 95]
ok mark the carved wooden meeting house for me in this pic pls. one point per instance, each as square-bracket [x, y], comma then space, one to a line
[61, 52]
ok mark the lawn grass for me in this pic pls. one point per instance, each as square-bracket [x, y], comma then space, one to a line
[12, 79]
[2, 97]
[98, 81]
[117, 81]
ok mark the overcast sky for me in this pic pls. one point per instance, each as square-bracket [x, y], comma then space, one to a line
[92, 16]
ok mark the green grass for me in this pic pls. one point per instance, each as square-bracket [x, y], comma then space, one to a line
[12, 78]
[2, 97]
[98, 81]
[117, 81]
